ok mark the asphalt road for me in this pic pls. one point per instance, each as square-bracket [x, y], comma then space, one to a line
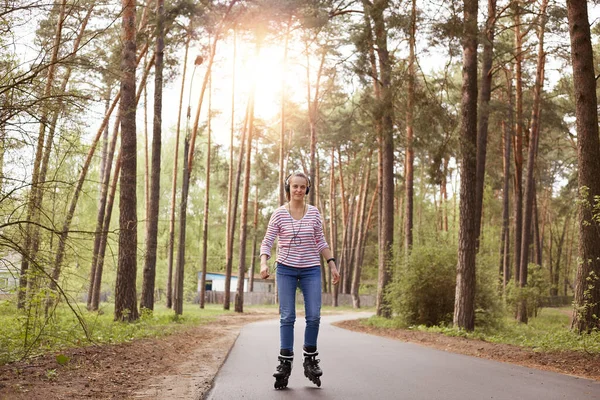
[361, 366]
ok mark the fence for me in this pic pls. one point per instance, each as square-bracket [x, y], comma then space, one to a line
[261, 298]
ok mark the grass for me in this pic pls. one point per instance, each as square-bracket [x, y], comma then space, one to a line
[549, 331]
[23, 335]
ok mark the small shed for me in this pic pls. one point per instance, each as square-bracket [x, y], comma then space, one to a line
[215, 281]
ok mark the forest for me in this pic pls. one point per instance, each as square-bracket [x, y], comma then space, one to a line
[452, 147]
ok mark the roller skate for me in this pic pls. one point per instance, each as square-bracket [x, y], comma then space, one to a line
[311, 368]
[283, 371]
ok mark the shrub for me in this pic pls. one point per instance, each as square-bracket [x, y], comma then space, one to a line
[423, 290]
[534, 293]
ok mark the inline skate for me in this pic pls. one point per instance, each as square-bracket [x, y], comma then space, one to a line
[311, 367]
[283, 371]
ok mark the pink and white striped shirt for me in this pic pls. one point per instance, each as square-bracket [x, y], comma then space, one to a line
[300, 242]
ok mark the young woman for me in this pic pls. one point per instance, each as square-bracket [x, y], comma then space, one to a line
[299, 230]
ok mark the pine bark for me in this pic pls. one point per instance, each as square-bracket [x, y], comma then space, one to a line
[149, 277]
[239, 298]
[204, 264]
[485, 94]
[531, 157]
[464, 304]
[587, 285]
[171, 244]
[125, 287]
[410, 154]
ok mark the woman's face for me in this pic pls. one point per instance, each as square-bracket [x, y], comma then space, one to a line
[298, 185]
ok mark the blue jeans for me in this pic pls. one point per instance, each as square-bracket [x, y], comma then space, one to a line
[309, 281]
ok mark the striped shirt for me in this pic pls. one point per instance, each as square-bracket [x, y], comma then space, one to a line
[300, 242]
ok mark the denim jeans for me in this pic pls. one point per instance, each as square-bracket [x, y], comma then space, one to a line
[309, 282]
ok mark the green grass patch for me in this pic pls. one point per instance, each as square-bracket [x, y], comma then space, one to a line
[549, 331]
[28, 334]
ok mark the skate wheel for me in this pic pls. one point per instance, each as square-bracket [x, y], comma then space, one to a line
[318, 382]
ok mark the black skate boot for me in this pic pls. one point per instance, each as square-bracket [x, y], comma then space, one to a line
[311, 367]
[283, 371]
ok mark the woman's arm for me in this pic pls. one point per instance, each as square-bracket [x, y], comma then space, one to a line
[331, 262]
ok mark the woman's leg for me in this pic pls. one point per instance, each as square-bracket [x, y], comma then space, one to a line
[287, 282]
[310, 284]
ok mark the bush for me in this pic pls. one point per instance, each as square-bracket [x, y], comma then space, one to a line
[423, 290]
[534, 293]
[489, 307]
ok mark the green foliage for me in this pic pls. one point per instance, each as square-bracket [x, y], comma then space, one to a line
[538, 287]
[423, 292]
[20, 338]
[549, 331]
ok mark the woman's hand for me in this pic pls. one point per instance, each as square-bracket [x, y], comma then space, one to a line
[264, 271]
[335, 275]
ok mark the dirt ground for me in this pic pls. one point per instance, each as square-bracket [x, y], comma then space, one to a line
[183, 365]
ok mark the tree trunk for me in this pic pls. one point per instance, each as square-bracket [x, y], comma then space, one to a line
[97, 283]
[504, 259]
[204, 265]
[147, 300]
[518, 140]
[32, 231]
[125, 287]
[386, 214]
[239, 299]
[484, 113]
[180, 264]
[359, 243]
[587, 285]
[254, 238]
[531, 156]
[230, 210]
[332, 216]
[410, 154]
[464, 303]
[236, 191]
[171, 244]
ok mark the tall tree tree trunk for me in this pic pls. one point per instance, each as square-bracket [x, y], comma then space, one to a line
[386, 216]
[254, 238]
[410, 154]
[204, 265]
[332, 215]
[464, 303]
[230, 210]
[179, 266]
[171, 244]
[587, 285]
[97, 284]
[531, 156]
[239, 299]
[32, 231]
[484, 113]
[236, 191]
[504, 259]
[518, 140]
[147, 300]
[125, 287]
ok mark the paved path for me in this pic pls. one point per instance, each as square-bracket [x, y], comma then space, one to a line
[361, 366]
